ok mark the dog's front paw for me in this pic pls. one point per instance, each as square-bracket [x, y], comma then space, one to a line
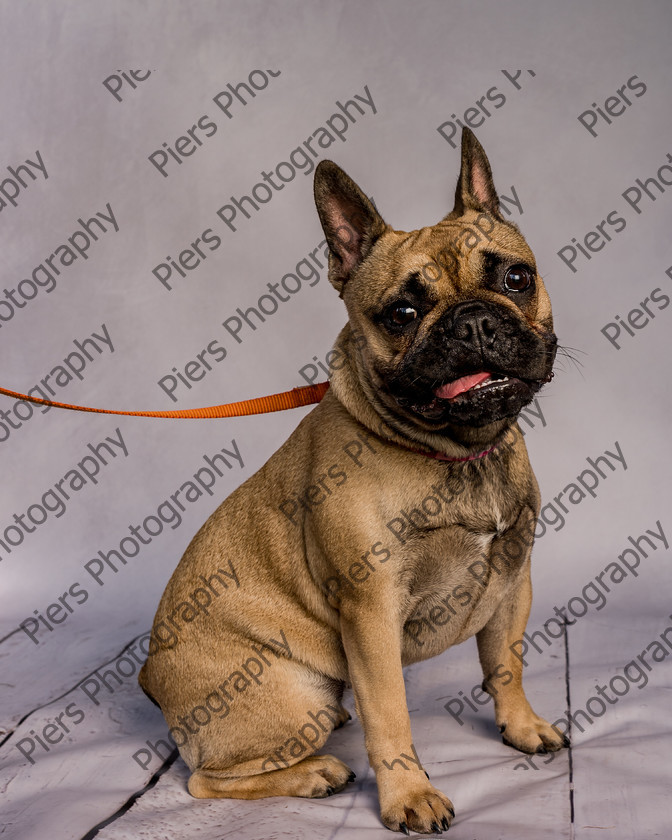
[420, 807]
[532, 734]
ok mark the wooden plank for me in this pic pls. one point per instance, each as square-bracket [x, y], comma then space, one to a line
[33, 675]
[622, 767]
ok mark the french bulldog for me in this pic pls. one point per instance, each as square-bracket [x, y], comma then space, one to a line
[405, 496]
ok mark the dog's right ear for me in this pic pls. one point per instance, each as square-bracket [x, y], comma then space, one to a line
[350, 222]
[475, 187]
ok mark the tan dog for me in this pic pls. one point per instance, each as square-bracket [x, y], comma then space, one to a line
[405, 496]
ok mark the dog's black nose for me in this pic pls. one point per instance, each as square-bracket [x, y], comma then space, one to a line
[475, 325]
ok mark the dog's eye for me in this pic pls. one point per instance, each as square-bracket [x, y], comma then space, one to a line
[518, 278]
[402, 314]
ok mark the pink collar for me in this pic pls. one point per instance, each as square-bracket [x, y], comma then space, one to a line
[439, 456]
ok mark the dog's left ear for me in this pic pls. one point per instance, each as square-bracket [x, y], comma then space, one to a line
[350, 222]
[475, 187]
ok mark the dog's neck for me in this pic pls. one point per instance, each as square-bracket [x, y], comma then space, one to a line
[358, 396]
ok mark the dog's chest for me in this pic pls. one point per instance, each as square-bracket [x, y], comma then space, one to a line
[457, 578]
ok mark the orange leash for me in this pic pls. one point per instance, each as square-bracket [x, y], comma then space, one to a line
[297, 397]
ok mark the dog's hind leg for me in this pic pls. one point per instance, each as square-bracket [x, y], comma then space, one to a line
[315, 776]
[263, 744]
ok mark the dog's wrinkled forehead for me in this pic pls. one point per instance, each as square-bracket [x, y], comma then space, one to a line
[453, 256]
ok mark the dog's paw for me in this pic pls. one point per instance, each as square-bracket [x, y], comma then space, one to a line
[325, 775]
[532, 735]
[421, 808]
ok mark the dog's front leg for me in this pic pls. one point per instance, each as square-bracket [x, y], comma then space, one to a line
[371, 633]
[520, 726]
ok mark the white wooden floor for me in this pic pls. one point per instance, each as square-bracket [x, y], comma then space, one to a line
[614, 783]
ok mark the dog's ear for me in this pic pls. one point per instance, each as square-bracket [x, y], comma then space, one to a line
[350, 222]
[475, 188]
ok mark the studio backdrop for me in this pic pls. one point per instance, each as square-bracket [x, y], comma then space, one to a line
[161, 250]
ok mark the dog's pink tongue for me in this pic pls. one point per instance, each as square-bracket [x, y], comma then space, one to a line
[459, 386]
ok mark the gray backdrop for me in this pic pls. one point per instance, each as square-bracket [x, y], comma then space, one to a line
[131, 132]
